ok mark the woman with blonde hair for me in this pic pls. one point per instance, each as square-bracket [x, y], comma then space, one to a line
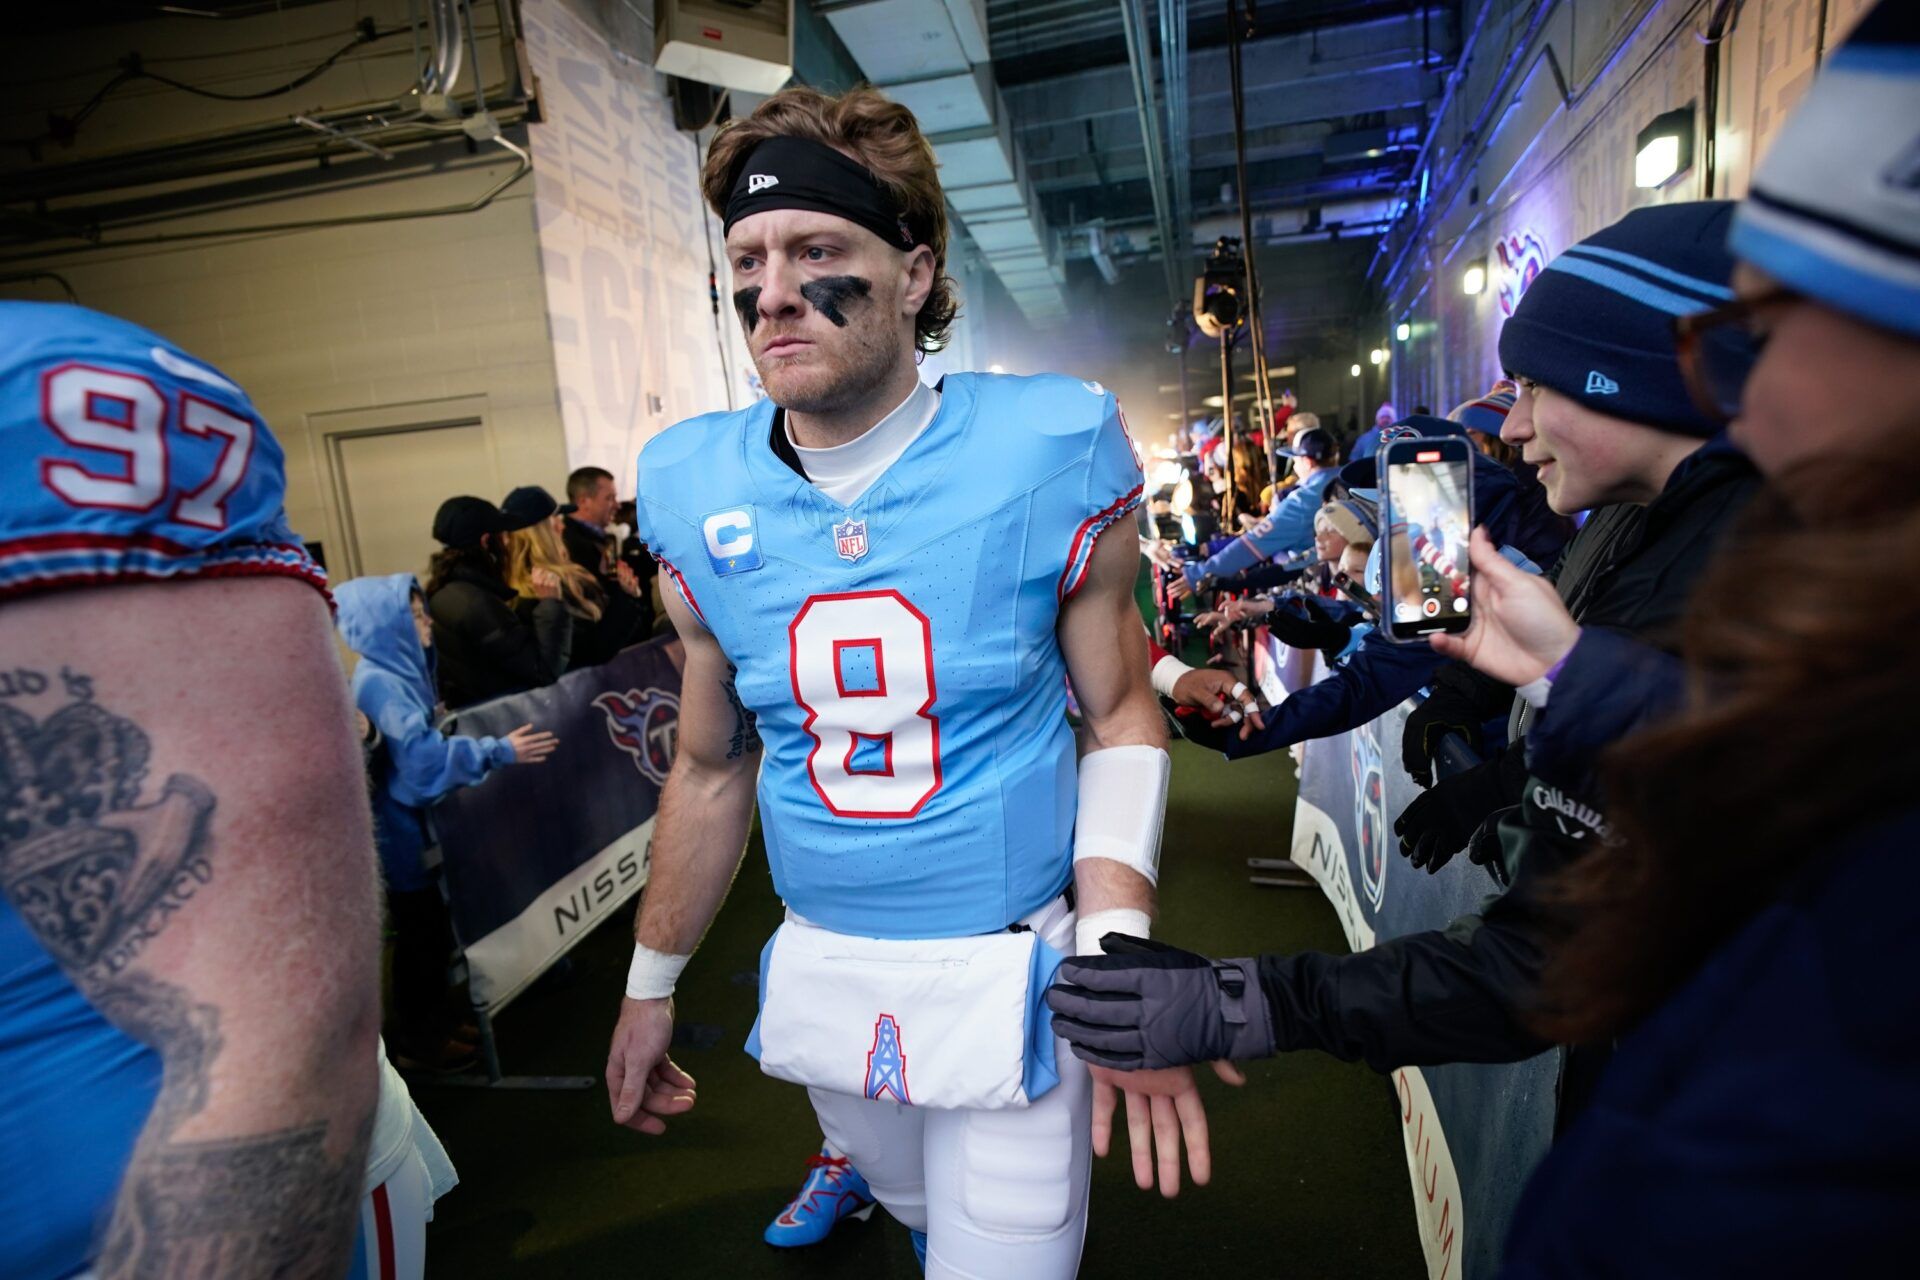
[533, 556]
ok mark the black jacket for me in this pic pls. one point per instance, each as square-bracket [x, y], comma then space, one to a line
[624, 619]
[486, 648]
[1456, 994]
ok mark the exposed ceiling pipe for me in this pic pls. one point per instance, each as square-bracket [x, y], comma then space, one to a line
[449, 11]
[1173, 72]
[1140, 63]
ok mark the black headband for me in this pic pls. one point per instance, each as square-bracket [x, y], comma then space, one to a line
[799, 173]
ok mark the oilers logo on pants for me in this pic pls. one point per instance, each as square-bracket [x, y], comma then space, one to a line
[887, 1063]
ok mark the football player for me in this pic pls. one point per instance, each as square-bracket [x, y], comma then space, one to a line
[883, 588]
[190, 1080]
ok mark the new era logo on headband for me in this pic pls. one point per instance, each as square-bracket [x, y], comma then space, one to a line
[1599, 384]
[760, 182]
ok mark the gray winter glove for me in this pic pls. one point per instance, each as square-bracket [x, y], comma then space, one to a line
[1145, 1005]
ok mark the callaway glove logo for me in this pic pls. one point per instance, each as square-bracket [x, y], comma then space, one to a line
[760, 182]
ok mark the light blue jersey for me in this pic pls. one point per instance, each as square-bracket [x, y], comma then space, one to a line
[122, 459]
[900, 654]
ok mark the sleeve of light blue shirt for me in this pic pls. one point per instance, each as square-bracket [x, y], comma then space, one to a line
[1285, 531]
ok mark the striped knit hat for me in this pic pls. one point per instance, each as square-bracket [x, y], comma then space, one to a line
[1488, 413]
[1834, 212]
[1597, 324]
[1349, 519]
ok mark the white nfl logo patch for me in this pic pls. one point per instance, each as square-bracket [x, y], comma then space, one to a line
[850, 539]
[760, 182]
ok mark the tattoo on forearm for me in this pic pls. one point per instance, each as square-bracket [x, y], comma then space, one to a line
[746, 732]
[96, 873]
[262, 1205]
[98, 867]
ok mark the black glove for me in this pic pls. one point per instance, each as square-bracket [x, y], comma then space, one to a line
[1483, 849]
[1145, 1005]
[1310, 627]
[1260, 577]
[1431, 721]
[1439, 823]
[1197, 726]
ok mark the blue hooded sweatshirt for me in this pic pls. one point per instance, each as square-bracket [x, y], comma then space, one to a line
[393, 687]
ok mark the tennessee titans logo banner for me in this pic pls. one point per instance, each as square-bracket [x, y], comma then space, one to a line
[535, 858]
[644, 724]
[887, 1062]
[1468, 1126]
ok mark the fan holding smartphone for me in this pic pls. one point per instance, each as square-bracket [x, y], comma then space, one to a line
[1427, 494]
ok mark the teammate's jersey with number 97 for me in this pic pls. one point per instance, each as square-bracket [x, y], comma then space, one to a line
[124, 459]
[900, 653]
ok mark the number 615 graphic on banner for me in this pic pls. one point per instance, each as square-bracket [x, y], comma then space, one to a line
[862, 666]
[124, 416]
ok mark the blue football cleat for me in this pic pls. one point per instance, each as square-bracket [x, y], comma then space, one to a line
[920, 1248]
[833, 1190]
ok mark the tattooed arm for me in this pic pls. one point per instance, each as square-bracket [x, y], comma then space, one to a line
[185, 831]
[698, 841]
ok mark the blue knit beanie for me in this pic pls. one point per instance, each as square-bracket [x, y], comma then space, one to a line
[1834, 211]
[1597, 324]
[1364, 473]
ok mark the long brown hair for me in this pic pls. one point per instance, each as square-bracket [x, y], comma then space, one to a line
[1803, 700]
[879, 133]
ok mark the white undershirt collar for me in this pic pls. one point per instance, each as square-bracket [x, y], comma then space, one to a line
[846, 471]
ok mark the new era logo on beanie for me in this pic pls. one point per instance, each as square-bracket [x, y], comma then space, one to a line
[1597, 324]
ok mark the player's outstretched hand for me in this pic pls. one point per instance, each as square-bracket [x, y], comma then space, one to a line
[1225, 700]
[1520, 626]
[1164, 1110]
[530, 745]
[643, 1084]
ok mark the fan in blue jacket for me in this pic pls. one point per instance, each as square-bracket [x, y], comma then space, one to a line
[383, 620]
[1372, 674]
[1287, 530]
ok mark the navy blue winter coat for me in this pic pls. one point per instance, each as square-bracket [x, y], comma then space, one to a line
[1764, 1120]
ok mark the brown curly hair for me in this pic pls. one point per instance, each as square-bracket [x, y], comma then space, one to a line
[1795, 733]
[879, 133]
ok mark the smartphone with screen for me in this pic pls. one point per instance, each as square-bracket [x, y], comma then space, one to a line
[1426, 494]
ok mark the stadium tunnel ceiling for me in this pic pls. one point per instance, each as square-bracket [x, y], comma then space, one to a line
[1337, 99]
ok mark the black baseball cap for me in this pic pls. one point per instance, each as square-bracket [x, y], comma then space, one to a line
[463, 521]
[1315, 444]
[527, 506]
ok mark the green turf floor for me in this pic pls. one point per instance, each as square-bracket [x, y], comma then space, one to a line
[1309, 1179]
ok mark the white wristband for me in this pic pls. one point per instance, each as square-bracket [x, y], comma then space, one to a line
[1166, 672]
[1535, 692]
[1123, 799]
[1088, 930]
[653, 973]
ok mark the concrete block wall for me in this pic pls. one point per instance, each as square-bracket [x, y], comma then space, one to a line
[359, 317]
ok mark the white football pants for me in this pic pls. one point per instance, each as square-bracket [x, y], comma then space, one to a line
[1002, 1195]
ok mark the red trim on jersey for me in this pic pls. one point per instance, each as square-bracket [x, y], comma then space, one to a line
[383, 1232]
[680, 583]
[128, 576]
[886, 755]
[1108, 514]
